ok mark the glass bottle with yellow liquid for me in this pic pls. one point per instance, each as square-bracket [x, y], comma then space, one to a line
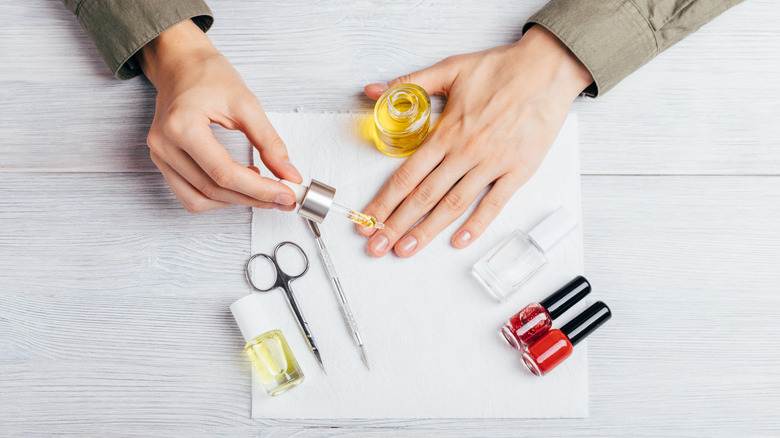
[402, 117]
[266, 347]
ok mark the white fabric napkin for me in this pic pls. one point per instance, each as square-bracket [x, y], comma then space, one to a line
[431, 331]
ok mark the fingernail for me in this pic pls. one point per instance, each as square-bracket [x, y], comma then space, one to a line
[285, 207]
[378, 244]
[462, 238]
[380, 86]
[284, 199]
[290, 166]
[407, 244]
[366, 231]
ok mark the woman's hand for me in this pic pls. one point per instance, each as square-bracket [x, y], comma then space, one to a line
[197, 86]
[504, 109]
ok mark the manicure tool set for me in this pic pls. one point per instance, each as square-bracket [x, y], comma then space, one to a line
[501, 271]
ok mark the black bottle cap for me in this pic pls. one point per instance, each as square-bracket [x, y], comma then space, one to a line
[565, 297]
[586, 322]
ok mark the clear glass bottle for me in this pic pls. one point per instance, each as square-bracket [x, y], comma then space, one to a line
[507, 266]
[267, 348]
[402, 117]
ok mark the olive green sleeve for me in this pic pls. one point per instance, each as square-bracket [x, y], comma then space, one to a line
[613, 38]
[119, 28]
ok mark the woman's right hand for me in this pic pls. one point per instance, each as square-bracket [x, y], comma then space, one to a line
[196, 86]
[504, 109]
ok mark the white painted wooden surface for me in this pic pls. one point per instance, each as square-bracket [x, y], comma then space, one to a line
[113, 300]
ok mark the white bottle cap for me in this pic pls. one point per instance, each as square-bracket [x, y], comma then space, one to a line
[298, 189]
[251, 317]
[553, 228]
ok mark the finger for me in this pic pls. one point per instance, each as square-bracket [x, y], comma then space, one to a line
[186, 167]
[451, 207]
[435, 79]
[419, 202]
[200, 144]
[191, 199]
[405, 179]
[278, 206]
[376, 89]
[258, 130]
[487, 210]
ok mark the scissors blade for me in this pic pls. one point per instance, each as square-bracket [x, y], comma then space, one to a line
[302, 323]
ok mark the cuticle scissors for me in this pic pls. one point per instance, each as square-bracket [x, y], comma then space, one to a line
[283, 280]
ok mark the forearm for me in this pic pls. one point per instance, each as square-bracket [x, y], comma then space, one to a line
[567, 76]
[120, 28]
[613, 38]
[173, 50]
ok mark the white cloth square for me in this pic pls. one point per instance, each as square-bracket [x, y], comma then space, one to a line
[431, 331]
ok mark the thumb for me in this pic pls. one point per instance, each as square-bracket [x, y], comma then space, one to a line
[436, 79]
[263, 136]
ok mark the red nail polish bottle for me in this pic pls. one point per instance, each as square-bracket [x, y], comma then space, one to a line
[536, 319]
[556, 345]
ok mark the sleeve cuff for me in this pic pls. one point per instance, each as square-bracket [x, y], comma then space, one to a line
[610, 37]
[120, 28]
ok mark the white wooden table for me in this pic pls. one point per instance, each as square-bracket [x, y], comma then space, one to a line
[113, 300]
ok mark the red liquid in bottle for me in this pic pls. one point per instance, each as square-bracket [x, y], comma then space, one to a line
[527, 325]
[547, 352]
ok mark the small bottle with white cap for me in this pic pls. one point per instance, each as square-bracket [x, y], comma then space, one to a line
[266, 347]
[507, 266]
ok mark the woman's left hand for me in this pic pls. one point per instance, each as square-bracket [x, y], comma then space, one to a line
[504, 110]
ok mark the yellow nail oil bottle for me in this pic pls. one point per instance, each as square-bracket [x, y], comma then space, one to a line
[402, 117]
[266, 347]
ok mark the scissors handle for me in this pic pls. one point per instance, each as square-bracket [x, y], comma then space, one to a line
[285, 273]
[302, 323]
[247, 268]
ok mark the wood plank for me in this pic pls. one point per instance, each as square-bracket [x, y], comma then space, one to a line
[113, 316]
[706, 106]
